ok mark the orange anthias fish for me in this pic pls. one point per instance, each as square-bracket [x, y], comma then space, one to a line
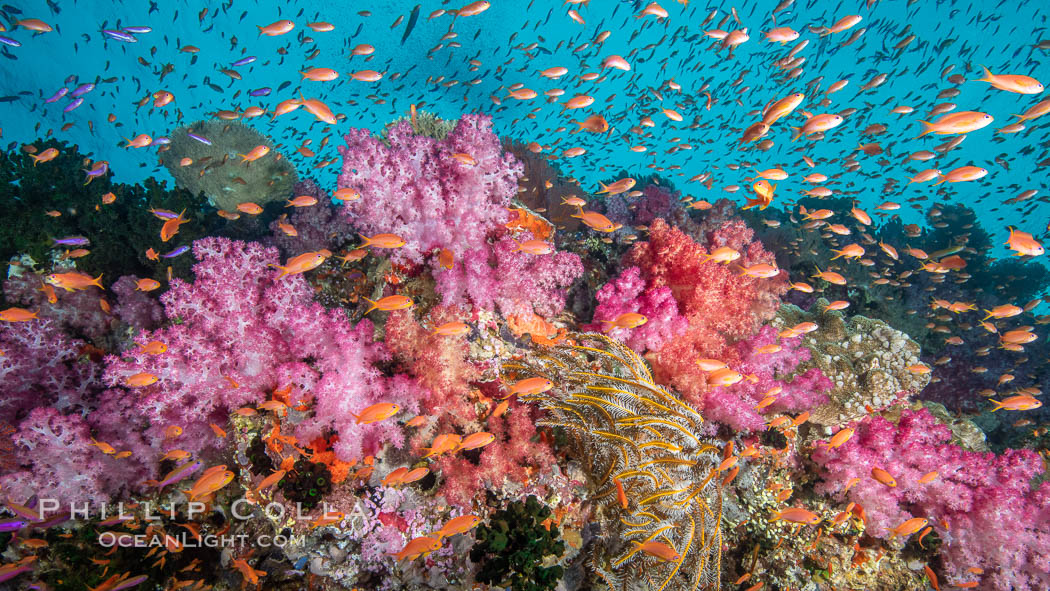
[475, 441]
[74, 281]
[457, 525]
[418, 547]
[796, 515]
[377, 412]
[171, 227]
[625, 320]
[389, 303]
[621, 186]
[531, 386]
[765, 192]
[443, 443]
[303, 263]
[1019, 402]
[17, 315]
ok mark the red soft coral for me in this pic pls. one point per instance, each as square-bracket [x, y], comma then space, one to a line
[512, 456]
[721, 304]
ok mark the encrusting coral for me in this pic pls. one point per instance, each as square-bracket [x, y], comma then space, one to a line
[218, 168]
[641, 446]
[866, 360]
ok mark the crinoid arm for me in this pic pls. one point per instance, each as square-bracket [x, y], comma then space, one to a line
[631, 431]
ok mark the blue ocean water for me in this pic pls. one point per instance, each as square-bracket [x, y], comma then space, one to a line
[513, 41]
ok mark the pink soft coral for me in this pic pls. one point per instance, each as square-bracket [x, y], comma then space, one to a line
[516, 282]
[996, 521]
[628, 293]
[417, 189]
[735, 405]
[59, 462]
[721, 304]
[238, 333]
[41, 367]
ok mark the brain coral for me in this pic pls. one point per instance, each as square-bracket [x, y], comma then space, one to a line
[217, 170]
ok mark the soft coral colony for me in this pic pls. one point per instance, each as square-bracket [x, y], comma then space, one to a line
[400, 372]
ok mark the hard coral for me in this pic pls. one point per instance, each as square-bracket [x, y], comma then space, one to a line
[269, 178]
[866, 361]
[238, 332]
[416, 187]
[981, 504]
[721, 304]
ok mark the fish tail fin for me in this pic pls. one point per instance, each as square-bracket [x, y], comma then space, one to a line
[284, 270]
[837, 255]
[998, 405]
[367, 240]
[374, 305]
[988, 316]
[98, 281]
[927, 127]
[605, 188]
[944, 177]
[987, 75]
[797, 134]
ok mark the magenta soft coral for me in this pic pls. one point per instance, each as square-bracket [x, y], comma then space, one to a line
[996, 521]
[41, 367]
[721, 304]
[499, 275]
[628, 293]
[237, 333]
[59, 462]
[416, 187]
[736, 405]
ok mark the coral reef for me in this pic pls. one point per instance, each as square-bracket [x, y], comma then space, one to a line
[238, 333]
[219, 169]
[643, 450]
[418, 189]
[981, 505]
[866, 360]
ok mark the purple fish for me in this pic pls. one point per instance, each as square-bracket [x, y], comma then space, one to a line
[76, 103]
[175, 252]
[14, 572]
[161, 141]
[119, 35]
[82, 89]
[179, 473]
[244, 61]
[70, 79]
[137, 30]
[128, 584]
[264, 91]
[56, 519]
[9, 41]
[13, 524]
[61, 93]
[72, 241]
[200, 138]
[163, 214]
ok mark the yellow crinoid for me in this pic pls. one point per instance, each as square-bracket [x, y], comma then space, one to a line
[653, 473]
